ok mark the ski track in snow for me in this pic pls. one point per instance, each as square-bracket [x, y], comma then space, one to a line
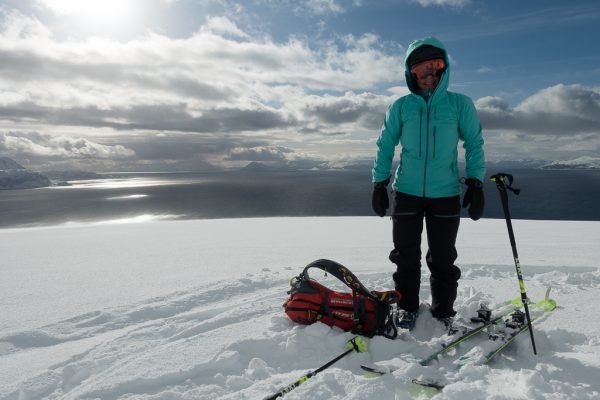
[231, 340]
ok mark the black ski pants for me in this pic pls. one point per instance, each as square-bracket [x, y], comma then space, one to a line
[442, 218]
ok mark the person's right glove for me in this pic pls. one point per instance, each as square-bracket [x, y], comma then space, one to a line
[474, 198]
[380, 200]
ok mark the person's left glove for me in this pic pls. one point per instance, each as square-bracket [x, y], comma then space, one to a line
[380, 200]
[474, 198]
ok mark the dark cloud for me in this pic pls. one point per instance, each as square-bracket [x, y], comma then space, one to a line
[338, 112]
[215, 88]
[322, 130]
[179, 147]
[557, 110]
[27, 66]
[259, 154]
[141, 152]
[161, 117]
[193, 101]
[176, 118]
[367, 110]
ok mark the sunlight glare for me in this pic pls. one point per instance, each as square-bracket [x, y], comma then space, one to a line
[109, 12]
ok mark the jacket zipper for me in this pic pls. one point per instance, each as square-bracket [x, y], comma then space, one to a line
[428, 102]
[434, 141]
[420, 129]
[426, 154]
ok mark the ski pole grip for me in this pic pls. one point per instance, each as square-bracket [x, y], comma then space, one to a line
[500, 177]
[357, 344]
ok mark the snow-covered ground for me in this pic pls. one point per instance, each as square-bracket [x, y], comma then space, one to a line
[193, 310]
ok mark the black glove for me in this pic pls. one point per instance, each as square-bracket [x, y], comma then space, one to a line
[380, 201]
[474, 198]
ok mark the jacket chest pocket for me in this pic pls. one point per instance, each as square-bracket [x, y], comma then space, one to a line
[445, 132]
[412, 130]
[445, 117]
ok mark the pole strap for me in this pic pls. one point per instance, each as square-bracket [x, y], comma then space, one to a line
[501, 177]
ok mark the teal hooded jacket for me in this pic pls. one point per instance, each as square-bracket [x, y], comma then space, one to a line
[428, 132]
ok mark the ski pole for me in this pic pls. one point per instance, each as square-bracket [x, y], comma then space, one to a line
[499, 178]
[356, 344]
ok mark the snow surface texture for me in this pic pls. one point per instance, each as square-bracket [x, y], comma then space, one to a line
[192, 310]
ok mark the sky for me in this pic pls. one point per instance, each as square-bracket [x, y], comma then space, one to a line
[197, 85]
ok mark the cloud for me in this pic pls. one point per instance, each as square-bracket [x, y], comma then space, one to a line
[223, 25]
[571, 102]
[492, 104]
[225, 95]
[558, 122]
[207, 51]
[78, 7]
[221, 84]
[322, 7]
[564, 110]
[365, 109]
[205, 71]
[16, 26]
[60, 6]
[260, 154]
[161, 117]
[485, 70]
[452, 3]
[41, 145]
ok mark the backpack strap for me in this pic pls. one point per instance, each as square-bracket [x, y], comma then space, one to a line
[324, 308]
[383, 300]
[340, 272]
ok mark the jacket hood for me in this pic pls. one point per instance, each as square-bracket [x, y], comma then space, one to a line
[431, 41]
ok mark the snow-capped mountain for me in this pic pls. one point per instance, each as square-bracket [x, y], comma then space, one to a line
[585, 162]
[14, 176]
[9, 164]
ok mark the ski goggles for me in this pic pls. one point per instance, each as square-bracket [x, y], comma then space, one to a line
[429, 67]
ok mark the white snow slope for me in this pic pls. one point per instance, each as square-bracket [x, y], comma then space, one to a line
[193, 310]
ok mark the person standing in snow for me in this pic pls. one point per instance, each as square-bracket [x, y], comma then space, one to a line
[428, 124]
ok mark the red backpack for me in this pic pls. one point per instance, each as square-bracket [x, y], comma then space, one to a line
[363, 312]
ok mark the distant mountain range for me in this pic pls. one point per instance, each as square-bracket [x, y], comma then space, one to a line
[7, 164]
[578, 163]
[581, 163]
[14, 176]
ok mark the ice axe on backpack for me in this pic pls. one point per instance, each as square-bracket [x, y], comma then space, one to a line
[356, 344]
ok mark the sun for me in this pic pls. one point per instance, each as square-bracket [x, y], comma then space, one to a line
[88, 7]
[94, 12]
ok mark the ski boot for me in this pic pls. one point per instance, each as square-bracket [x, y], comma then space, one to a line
[406, 319]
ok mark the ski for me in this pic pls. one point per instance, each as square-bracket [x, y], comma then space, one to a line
[486, 321]
[520, 326]
[373, 369]
[507, 333]
[499, 312]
